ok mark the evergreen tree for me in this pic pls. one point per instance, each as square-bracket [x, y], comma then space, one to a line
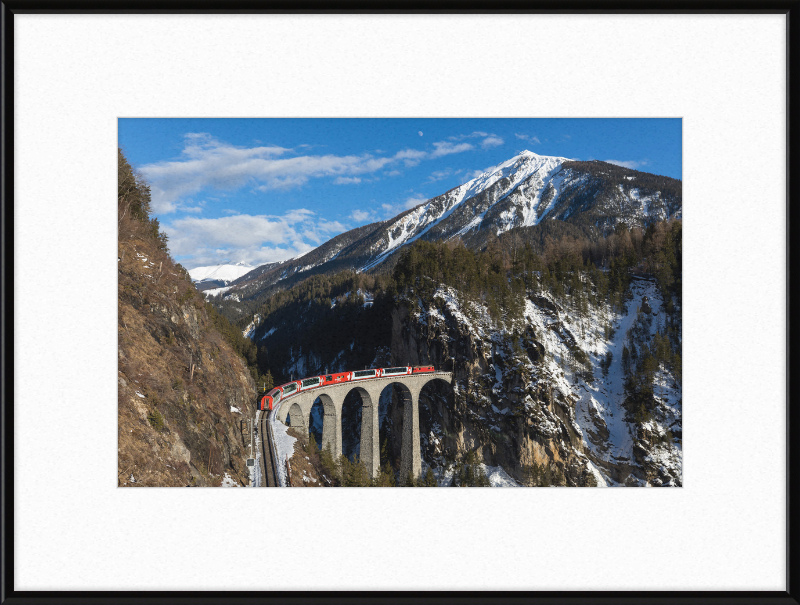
[385, 477]
[676, 368]
[329, 465]
[605, 362]
[626, 360]
[357, 474]
[345, 471]
[311, 445]
[429, 480]
[481, 480]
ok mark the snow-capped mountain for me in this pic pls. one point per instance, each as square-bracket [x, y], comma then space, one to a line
[465, 208]
[521, 192]
[527, 189]
[220, 272]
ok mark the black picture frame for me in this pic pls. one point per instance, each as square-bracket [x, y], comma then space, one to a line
[8, 594]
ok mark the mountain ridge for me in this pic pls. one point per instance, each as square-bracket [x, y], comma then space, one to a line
[522, 191]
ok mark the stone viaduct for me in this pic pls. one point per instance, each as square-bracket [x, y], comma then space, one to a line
[298, 409]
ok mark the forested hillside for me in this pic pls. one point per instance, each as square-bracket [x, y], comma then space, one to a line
[329, 311]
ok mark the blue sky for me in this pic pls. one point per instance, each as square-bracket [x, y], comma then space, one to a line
[264, 190]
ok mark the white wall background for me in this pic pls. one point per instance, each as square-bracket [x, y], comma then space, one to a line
[725, 75]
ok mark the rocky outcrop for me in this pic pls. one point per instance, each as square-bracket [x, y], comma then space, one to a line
[502, 407]
[183, 393]
[517, 389]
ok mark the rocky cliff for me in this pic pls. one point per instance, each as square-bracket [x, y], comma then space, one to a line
[183, 393]
[534, 397]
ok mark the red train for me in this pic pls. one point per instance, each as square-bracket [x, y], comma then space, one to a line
[283, 391]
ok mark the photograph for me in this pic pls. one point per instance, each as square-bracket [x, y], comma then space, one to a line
[487, 302]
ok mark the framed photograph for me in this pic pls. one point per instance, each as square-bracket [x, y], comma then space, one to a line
[416, 322]
[389, 250]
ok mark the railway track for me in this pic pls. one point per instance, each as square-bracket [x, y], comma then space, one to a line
[267, 451]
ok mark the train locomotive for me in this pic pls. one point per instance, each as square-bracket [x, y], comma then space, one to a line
[277, 394]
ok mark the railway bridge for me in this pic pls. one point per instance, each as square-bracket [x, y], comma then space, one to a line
[298, 409]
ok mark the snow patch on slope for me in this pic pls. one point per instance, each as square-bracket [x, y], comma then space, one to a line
[284, 446]
[498, 477]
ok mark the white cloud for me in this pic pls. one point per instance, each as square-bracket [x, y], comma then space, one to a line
[411, 157]
[255, 239]
[445, 148]
[297, 215]
[284, 182]
[472, 135]
[206, 162]
[527, 137]
[438, 175]
[489, 140]
[392, 173]
[632, 164]
[189, 206]
[492, 141]
[347, 180]
[420, 133]
[360, 216]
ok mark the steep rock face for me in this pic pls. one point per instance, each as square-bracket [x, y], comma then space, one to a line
[520, 398]
[183, 393]
[499, 407]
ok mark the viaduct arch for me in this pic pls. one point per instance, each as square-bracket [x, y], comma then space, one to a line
[298, 409]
